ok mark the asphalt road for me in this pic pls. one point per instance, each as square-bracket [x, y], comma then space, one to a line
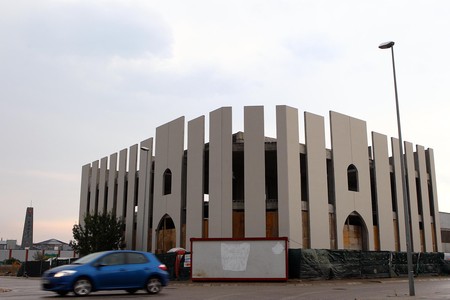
[368, 289]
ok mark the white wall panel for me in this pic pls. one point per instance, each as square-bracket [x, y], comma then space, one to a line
[102, 186]
[254, 172]
[317, 181]
[413, 207]
[131, 198]
[220, 223]
[84, 193]
[288, 169]
[169, 151]
[121, 191]
[349, 146]
[423, 181]
[194, 180]
[143, 201]
[434, 201]
[93, 201]
[112, 188]
[399, 194]
[383, 192]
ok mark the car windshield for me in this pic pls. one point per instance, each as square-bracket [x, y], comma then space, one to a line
[88, 258]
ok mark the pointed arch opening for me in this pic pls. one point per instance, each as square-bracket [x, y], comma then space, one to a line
[352, 178]
[355, 233]
[167, 182]
[165, 234]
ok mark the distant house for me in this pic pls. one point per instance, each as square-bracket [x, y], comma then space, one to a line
[445, 231]
[52, 244]
[8, 244]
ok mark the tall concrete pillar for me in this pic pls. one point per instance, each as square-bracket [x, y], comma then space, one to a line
[254, 172]
[316, 162]
[383, 192]
[144, 197]
[121, 191]
[288, 169]
[412, 192]
[112, 186]
[220, 222]
[84, 193]
[434, 201]
[195, 179]
[131, 199]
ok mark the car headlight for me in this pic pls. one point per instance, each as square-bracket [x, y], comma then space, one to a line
[65, 273]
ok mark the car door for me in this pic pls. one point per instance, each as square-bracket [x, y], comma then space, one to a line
[138, 268]
[110, 271]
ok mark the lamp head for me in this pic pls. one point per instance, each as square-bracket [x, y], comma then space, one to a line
[145, 148]
[386, 45]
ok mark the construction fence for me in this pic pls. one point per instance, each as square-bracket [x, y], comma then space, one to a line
[340, 264]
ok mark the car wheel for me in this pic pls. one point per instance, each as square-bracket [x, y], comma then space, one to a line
[62, 293]
[153, 285]
[82, 287]
[131, 291]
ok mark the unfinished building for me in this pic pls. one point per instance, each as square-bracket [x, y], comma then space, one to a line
[248, 185]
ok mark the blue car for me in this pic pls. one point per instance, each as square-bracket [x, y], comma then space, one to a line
[110, 270]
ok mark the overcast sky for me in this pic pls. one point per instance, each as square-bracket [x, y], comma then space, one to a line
[83, 79]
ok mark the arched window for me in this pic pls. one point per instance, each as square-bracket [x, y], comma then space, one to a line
[167, 182]
[352, 178]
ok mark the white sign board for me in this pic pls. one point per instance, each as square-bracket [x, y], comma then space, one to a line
[239, 259]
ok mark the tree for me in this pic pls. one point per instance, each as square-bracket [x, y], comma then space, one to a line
[99, 233]
[40, 256]
[11, 261]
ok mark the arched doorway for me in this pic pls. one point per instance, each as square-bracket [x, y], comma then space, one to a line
[355, 233]
[165, 235]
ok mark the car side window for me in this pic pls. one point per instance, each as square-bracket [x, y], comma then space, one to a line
[137, 258]
[113, 259]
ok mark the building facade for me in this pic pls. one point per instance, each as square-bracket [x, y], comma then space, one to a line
[248, 185]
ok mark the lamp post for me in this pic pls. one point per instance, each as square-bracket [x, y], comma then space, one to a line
[390, 45]
[144, 231]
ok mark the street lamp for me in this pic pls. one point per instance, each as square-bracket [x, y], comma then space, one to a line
[390, 45]
[145, 213]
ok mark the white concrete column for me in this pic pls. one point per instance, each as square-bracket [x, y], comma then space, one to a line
[93, 201]
[412, 191]
[316, 162]
[399, 194]
[131, 199]
[143, 202]
[423, 181]
[383, 192]
[220, 222]
[112, 187]
[121, 192]
[84, 201]
[254, 172]
[194, 180]
[435, 210]
[102, 186]
[288, 169]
